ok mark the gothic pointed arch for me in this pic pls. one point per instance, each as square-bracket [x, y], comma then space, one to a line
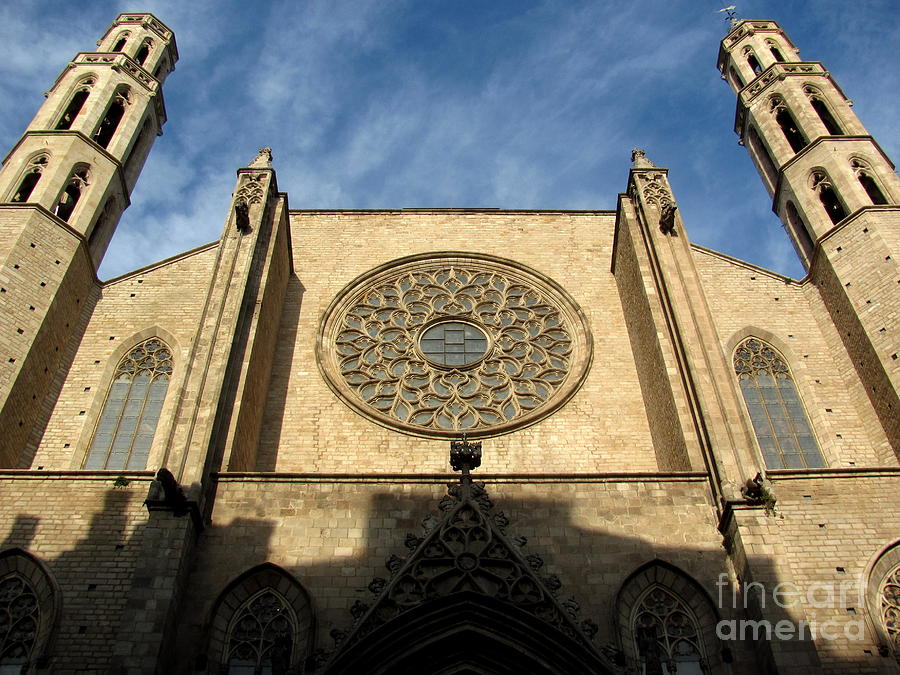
[132, 407]
[30, 602]
[779, 419]
[883, 600]
[34, 169]
[664, 617]
[263, 619]
[464, 581]
[467, 632]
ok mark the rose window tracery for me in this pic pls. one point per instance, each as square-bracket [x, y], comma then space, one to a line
[890, 608]
[19, 620]
[449, 345]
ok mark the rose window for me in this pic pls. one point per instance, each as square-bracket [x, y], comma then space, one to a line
[447, 345]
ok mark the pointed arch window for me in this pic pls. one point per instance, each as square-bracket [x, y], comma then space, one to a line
[20, 617]
[776, 411]
[889, 611]
[765, 159]
[261, 623]
[144, 51]
[75, 104]
[864, 176]
[817, 101]
[120, 43]
[131, 412]
[788, 124]
[667, 633]
[260, 637]
[776, 53]
[830, 201]
[72, 192]
[735, 77]
[28, 611]
[113, 116]
[800, 230]
[752, 61]
[30, 180]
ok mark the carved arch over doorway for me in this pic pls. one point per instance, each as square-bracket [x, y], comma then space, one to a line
[467, 633]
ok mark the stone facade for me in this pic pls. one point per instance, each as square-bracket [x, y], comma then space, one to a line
[629, 524]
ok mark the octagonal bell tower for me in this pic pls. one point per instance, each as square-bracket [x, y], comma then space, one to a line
[834, 189]
[63, 188]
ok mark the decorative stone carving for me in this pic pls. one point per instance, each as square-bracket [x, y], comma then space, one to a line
[536, 346]
[640, 160]
[250, 192]
[890, 608]
[467, 552]
[263, 159]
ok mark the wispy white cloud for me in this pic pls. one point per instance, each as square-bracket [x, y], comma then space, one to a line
[425, 103]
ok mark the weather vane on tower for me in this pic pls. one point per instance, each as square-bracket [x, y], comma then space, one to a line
[730, 13]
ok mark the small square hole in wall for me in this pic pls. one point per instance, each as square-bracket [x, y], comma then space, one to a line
[92, 587]
[868, 302]
[82, 630]
[840, 570]
[87, 388]
[839, 249]
[752, 278]
[132, 295]
[851, 463]
[807, 496]
[776, 299]
[96, 362]
[43, 283]
[851, 611]
[57, 262]
[865, 229]
[828, 410]
[65, 445]
[19, 331]
[821, 526]
[867, 652]
[32, 245]
[12, 360]
[838, 436]
[894, 356]
[112, 337]
[15, 267]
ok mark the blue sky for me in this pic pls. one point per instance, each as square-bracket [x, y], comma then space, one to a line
[451, 103]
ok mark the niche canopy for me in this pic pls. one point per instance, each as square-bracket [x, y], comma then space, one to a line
[440, 344]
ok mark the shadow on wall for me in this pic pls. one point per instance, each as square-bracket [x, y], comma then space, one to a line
[636, 596]
[624, 585]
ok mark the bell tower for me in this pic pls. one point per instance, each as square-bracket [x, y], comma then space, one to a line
[63, 188]
[834, 189]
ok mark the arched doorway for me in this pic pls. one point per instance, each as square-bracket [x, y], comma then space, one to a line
[467, 633]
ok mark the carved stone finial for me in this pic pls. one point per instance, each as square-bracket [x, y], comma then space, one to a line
[639, 159]
[263, 160]
[465, 456]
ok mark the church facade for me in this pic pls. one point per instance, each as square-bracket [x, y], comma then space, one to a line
[449, 440]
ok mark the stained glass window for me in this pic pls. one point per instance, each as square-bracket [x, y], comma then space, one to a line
[666, 632]
[779, 419]
[454, 343]
[128, 422]
[890, 609]
[260, 639]
[19, 620]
